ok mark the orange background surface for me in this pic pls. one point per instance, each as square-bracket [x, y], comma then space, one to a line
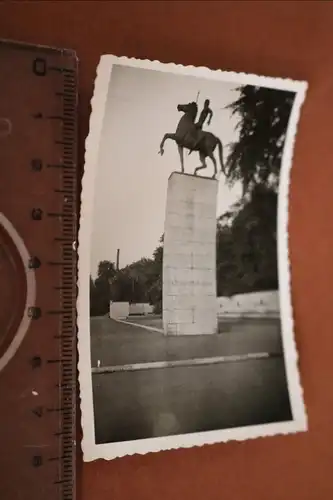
[282, 39]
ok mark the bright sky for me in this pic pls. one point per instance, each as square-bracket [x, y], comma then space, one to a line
[131, 177]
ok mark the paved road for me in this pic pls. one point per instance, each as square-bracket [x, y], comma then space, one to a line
[138, 405]
[114, 343]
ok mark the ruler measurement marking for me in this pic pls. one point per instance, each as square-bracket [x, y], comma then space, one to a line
[60, 165]
[68, 293]
[67, 289]
[54, 214]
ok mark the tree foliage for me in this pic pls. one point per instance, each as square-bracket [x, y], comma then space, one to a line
[246, 237]
[100, 292]
[246, 245]
[263, 120]
[139, 282]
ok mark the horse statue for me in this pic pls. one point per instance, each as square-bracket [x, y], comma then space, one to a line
[189, 136]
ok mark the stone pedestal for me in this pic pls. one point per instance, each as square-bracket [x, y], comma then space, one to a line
[189, 256]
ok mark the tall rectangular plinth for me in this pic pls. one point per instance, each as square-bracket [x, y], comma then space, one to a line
[189, 256]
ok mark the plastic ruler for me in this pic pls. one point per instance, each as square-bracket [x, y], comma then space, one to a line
[38, 214]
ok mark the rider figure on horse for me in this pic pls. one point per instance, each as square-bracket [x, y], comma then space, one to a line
[205, 113]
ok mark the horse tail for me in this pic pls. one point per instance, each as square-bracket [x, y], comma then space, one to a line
[220, 148]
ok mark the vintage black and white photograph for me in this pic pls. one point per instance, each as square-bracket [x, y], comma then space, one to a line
[184, 309]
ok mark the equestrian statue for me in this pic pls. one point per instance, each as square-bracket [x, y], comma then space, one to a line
[189, 135]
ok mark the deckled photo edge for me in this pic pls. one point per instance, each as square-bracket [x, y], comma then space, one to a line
[290, 352]
[92, 451]
[98, 103]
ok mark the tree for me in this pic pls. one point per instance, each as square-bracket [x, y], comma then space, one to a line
[121, 287]
[106, 270]
[246, 235]
[264, 115]
[141, 281]
[254, 233]
[101, 293]
[226, 268]
[93, 302]
[156, 283]
[132, 282]
[246, 245]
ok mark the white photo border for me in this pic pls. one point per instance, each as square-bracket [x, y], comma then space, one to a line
[93, 451]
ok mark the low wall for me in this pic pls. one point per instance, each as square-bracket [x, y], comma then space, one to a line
[119, 310]
[140, 309]
[256, 304]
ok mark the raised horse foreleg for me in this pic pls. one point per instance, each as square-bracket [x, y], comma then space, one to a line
[203, 163]
[166, 136]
